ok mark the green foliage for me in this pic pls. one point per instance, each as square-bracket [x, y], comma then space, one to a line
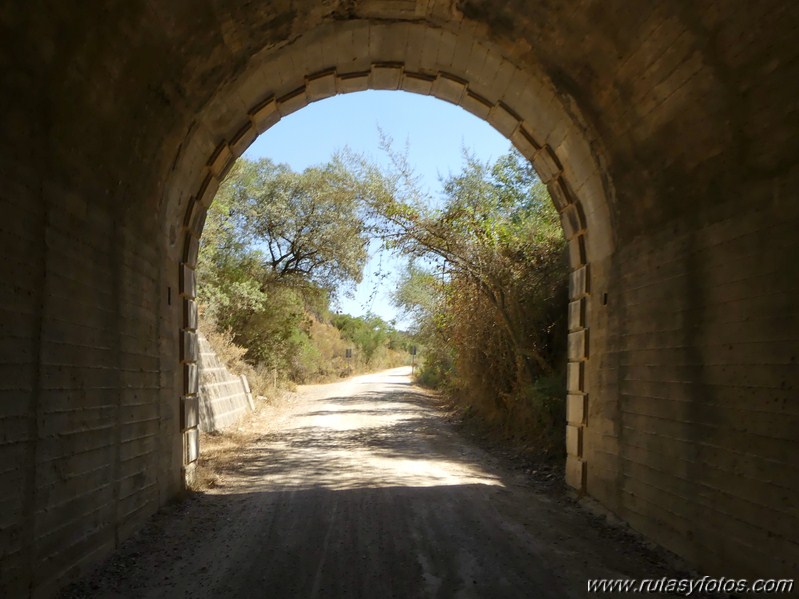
[370, 335]
[486, 284]
[301, 225]
[487, 289]
[276, 245]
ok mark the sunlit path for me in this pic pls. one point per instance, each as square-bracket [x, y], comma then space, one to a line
[364, 490]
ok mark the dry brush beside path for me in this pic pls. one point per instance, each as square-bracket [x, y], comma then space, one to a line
[362, 489]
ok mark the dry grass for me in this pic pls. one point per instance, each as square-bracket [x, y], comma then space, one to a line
[230, 354]
[220, 451]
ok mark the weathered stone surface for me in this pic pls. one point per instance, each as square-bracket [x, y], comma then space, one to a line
[672, 128]
[575, 471]
[575, 409]
[223, 397]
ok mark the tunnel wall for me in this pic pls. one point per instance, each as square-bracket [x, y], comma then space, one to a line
[691, 423]
[682, 399]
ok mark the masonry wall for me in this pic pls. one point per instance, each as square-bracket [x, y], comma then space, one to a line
[224, 398]
[87, 435]
[673, 125]
[89, 418]
[692, 423]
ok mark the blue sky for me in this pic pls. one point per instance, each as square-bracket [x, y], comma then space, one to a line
[435, 130]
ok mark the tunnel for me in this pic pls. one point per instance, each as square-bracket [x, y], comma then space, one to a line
[666, 132]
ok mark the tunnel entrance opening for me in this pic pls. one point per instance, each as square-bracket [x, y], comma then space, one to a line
[665, 131]
[471, 75]
[527, 397]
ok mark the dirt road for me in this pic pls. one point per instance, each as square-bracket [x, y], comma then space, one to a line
[363, 490]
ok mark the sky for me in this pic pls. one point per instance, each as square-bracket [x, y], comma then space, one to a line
[436, 133]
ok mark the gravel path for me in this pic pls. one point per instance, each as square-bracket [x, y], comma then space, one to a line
[362, 489]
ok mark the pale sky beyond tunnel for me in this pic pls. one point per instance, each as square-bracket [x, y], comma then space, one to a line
[436, 133]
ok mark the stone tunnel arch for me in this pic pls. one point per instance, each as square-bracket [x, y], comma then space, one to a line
[417, 58]
[667, 132]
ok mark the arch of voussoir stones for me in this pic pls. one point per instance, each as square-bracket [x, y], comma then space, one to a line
[422, 60]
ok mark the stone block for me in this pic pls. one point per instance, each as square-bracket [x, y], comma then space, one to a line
[578, 254]
[572, 220]
[448, 88]
[190, 411]
[196, 214]
[476, 104]
[207, 191]
[575, 473]
[576, 408]
[292, 101]
[385, 76]
[191, 446]
[353, 82]
[188, 281]
[504, 74]
[197, 224]
[577, 314]
[574, 440]
[189, 314]
[547, 165]
[429, 49]
[220, 160]
[476, 61]
[503, 119]
[250, 91]
[188, 346]
[575, 377]
[416, 37]
[190, 378]
[191, 210]
[524, 142]
[265, 114]
[191, 248]
[189, 471]
[446, 49]
[321, 85]
[578, 345]
[417, 83]
[578, 282]
[387, 43]
[559, 193]
[243, 139]
[463, 51]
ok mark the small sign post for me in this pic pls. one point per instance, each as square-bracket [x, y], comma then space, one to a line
[348, 355]
[413, 358]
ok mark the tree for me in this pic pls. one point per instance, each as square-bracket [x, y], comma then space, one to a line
[368, 333]
[304, 226]
[487, 287]
[419, 293]
[276, 244]
[498, 236]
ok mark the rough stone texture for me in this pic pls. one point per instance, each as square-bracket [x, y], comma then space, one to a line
[224, 397]
[669, 131]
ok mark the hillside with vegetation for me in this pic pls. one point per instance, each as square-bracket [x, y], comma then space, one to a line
[485, 282]
[487, 288]
[276, 247]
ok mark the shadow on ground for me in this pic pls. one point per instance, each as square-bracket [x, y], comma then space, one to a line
[371, 495]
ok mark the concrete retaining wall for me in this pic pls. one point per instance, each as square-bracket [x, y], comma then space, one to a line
[224, 396]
